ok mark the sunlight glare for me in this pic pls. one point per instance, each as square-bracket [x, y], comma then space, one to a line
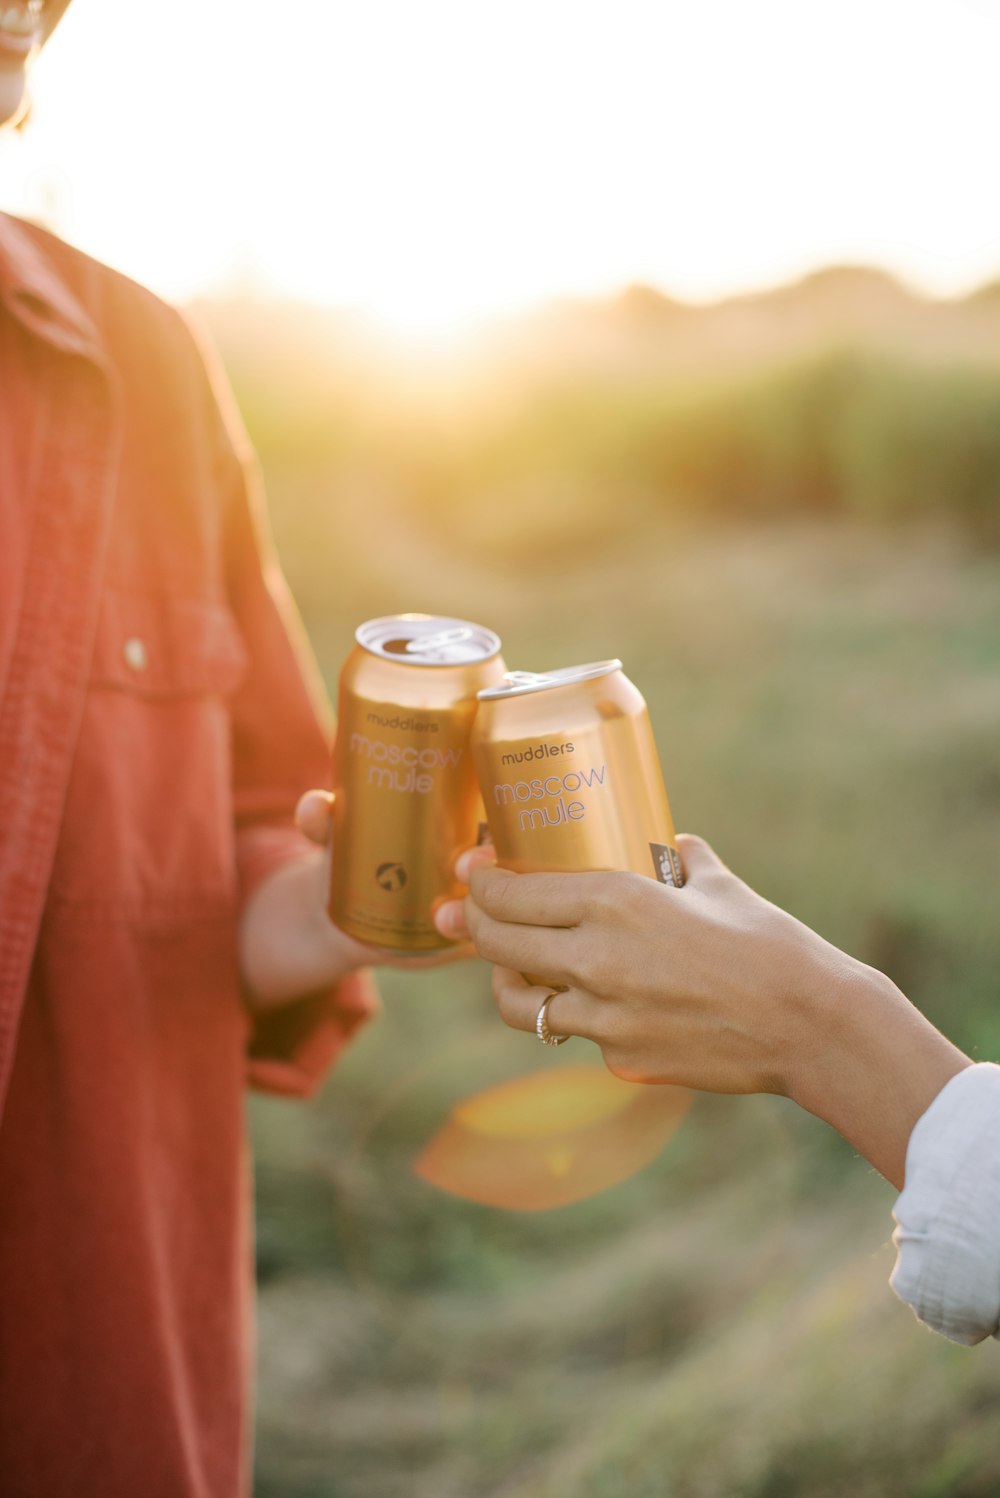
[433, 167]
[550, 1138]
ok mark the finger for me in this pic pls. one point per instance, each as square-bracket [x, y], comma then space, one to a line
[698, 857]
[314, 816]
[572, 1012]
[534, 949]
[449, 918]
[483, 856]
[536, 899]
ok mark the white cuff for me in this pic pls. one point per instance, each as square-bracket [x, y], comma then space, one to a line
[948, 1215]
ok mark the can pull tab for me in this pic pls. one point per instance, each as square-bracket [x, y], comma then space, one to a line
[441, 641]
[524, 678]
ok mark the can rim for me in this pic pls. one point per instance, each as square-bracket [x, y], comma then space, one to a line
[432, 640]
[520, 683]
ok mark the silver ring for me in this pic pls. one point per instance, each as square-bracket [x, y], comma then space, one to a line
[542, 1030]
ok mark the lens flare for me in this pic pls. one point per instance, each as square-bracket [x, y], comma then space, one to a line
[550, 1138]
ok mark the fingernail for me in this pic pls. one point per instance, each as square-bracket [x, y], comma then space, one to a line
[482, 857]
[447, 917]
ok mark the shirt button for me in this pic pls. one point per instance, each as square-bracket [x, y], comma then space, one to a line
[135, 654]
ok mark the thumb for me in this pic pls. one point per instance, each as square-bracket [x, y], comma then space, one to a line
[314, 816]
[698, 857]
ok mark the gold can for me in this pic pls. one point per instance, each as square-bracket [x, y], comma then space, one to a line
[406, 797]
[570, 775]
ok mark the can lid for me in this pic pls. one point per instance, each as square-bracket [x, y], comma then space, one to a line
[517, 683]
[427, 640]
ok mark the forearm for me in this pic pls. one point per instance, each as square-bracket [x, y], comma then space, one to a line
[872, 1067]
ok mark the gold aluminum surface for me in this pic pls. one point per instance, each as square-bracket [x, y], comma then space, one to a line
[570, 775]
[406, 797]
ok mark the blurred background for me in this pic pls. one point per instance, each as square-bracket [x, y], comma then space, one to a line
[661, 331]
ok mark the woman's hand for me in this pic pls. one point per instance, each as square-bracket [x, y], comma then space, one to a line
[713, 987]
[288, 944]
[708, 986]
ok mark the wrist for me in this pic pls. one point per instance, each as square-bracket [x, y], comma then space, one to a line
[873, 1064]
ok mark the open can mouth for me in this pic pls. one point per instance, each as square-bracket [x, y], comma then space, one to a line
[520, 683]
[428, 640]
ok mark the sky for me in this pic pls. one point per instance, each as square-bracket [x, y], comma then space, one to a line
[431, 163]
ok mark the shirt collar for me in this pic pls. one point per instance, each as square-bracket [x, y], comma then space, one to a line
[35, 294]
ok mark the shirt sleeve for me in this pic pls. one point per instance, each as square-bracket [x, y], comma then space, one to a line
[281, 737]
[948, 1215]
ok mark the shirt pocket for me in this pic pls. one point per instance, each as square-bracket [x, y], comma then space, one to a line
[148, 822]
[167, 648]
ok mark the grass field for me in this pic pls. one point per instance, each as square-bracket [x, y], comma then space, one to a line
[826, 695]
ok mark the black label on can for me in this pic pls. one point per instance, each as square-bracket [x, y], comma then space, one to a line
[667, 864]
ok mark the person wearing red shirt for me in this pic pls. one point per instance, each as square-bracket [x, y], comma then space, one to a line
[162, 933]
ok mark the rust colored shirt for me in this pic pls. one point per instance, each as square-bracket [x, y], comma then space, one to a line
[156, 729]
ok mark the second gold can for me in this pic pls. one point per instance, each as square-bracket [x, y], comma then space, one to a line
[570, 776]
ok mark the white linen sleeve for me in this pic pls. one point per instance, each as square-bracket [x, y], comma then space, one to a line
[948, 1215]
